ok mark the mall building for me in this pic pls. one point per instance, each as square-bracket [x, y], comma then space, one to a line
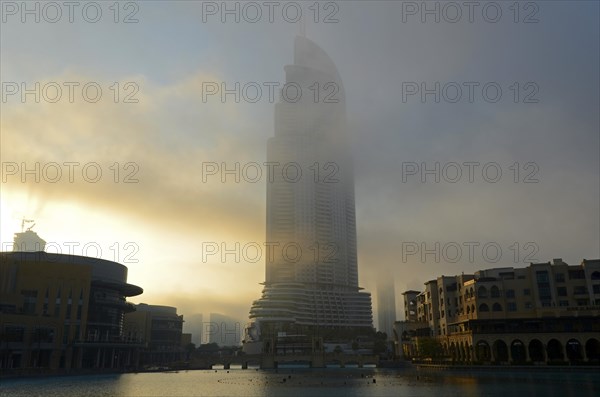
[62, 312]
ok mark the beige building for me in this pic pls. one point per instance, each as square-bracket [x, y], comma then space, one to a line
[546, 312]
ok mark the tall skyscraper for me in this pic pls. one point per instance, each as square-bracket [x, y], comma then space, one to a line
[311, 271]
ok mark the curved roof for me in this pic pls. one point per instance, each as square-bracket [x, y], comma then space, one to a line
[308, 53]
[106, 273]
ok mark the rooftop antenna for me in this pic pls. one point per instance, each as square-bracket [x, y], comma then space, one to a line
[24, 221]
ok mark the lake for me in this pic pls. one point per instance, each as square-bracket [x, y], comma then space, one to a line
[305, 382]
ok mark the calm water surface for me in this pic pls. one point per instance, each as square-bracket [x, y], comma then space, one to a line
[329, 382]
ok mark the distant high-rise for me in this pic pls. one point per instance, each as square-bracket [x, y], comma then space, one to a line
[28, 240]
[312, 276]
[222, 330]
[386, 306]
[194, 325]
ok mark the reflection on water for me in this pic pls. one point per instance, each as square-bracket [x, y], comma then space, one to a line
[302, 382]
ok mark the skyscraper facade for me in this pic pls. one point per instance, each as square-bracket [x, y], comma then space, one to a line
[312, 274]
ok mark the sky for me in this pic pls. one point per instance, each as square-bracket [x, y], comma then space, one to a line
[121, 154]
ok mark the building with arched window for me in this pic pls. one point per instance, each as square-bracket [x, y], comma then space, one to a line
[546, 312]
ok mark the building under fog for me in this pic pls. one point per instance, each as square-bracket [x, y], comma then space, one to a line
[311, 282]
[223, 330]
[386, 306]
[194, 325]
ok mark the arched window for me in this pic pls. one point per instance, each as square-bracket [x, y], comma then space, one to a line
[484, 308]
[495, 292]
[482, 292]
[497, 307]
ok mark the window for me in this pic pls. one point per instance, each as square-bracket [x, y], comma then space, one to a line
[541, 276]
[507, 275]
[69, 304]
[7, 308]
[484, 308]
[497, 307]
[79, 305]
[29, 300]
[596, 288]
[544, 291]
[576, 274]
[14, 333]
[510, 293]
[43, 335]
[580, 290]
[511, 306]
[65, 334]
[526, 292]
[45, 307]
[543, 286]
[561, 291]
[495, 292]
[563, 303]
[482, 292]
[528, 305]
[57, 304]
[559, 277]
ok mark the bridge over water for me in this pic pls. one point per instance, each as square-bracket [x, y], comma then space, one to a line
[271, 361]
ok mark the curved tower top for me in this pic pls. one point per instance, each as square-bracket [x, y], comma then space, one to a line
[307, 53]
[321, 108]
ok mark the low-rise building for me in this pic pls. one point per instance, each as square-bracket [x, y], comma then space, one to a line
[159, 330]
[546, 312]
